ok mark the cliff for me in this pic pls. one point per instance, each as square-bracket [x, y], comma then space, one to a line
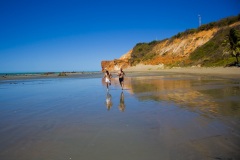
[116, 64]
[179, 50]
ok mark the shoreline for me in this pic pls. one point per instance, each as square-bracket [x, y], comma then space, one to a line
[48, 75]
[230, 72]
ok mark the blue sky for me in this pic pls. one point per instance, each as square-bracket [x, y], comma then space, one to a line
[76, 35]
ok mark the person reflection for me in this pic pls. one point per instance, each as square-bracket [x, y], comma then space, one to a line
[121, 106]
[109, 101]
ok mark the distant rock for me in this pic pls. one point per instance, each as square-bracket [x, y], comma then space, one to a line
[62, 74]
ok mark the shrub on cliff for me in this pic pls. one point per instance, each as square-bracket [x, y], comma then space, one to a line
[234, 40]
[221, 23]
[216, 52]
[142, 52]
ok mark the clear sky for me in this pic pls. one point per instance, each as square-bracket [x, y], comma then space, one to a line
[76, 35]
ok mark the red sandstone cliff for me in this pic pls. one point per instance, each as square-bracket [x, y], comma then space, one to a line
[116, 64]
[168, 51]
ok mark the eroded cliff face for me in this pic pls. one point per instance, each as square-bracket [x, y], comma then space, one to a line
[178, 50]
[116, 64]
[168, 51]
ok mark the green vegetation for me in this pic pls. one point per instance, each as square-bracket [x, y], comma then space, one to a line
[222, 50]
[221, 23]
[215, 52]
[143, 52]
[234, 40]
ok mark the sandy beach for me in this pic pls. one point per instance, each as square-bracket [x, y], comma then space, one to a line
[159, 115]
[230, 71]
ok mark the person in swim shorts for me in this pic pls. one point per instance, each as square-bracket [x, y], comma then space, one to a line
[121, 75]
[121, 105]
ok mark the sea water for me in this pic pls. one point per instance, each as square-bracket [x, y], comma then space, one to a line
[162, 116]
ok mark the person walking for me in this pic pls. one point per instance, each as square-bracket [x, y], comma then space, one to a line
[121, 75]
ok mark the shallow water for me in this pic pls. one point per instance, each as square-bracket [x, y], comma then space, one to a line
[172, 116]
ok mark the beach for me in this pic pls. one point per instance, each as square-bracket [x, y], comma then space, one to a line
[181, 113]
[229, 71]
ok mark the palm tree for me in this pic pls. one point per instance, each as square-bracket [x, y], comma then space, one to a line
[234, 39]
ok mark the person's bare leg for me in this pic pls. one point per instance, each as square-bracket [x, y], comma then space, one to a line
[122, 84]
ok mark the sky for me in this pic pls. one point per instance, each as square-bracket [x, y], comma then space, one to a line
[76, 35]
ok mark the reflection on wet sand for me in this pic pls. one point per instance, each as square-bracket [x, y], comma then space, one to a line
[215, 96]
[40, 121]
[208, 95]
[122, 106]
[108, 101]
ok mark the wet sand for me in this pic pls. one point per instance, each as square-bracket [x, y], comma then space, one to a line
[157, 116]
